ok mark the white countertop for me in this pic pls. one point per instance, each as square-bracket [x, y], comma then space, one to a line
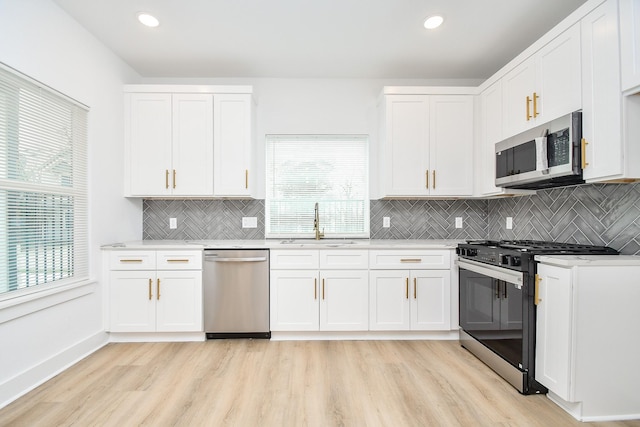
[286, 244]
[590, 260]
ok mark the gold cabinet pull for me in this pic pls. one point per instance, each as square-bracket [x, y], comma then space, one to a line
[150, 294]
[166, 179]
[315, 288]
[131, 260]
[434, 179]
[584, 143]
[536, 295]
[323, 289]
[407, 288]
[174, 178]
[427, 176]
[246, 179]
[535, 105]
[410, 260]
[528, 109]
[177, 260]
[415, 288]
[158, 290]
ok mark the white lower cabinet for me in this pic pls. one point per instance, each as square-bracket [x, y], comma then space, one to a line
[587, 333]
[306, 296]
[402, 299]
[416, 300]
[155, 291]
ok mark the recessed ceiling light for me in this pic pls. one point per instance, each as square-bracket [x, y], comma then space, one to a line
[433, 22]
[148, 20]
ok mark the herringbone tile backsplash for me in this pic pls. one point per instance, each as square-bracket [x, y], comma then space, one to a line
[599, 214]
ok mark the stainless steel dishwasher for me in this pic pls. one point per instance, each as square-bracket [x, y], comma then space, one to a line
[236, 293]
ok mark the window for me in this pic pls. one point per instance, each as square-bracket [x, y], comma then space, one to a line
[303, 170]
[43, 192]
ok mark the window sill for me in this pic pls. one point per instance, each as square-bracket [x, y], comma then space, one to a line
[15, 306]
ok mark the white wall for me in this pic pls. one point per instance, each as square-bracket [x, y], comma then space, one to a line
[42, 41]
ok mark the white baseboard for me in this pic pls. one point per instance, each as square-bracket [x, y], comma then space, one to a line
[365, 335]
[156, 336]
[28, 380]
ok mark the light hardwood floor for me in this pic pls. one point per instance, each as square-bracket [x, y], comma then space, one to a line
[292, 383]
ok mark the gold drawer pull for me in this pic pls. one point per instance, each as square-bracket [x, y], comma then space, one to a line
[177, 260]
[411, 260]
[130, 260]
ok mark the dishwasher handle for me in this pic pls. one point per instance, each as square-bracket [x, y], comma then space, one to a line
[213, 258]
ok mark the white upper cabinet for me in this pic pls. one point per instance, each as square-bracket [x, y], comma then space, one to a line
[192, 148]
[609, 125]
[169, 144]
[545, 86]
[177, 136]
[148, 143]
[233, 174]
[427, 145]
[630, 44]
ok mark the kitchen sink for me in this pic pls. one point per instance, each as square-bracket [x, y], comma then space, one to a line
[332, 243]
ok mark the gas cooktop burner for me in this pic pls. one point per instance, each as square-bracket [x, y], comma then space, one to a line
[541, 246]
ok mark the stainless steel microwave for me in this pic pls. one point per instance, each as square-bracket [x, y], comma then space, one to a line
[546, 156]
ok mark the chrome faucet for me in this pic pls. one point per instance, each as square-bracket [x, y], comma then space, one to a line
[316, 224]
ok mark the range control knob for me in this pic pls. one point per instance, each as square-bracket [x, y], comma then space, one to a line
[515, 261]
[505, 260]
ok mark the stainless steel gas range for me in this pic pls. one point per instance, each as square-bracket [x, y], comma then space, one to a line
[498, 296]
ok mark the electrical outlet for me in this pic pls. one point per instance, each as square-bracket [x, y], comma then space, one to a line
[173, 223]
[509, 223]
[458, 222]
[386, 222]
[249, 222]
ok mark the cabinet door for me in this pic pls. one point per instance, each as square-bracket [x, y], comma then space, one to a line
[553, 330]
[517, 92]
[294, 300]
[132, 301]
[630, 43]
[430, 300]
[451, 145]
[344, 303]
[601, 109]
[192, 149]
[405, 150]
[389, 300]
[148, 144]
[232, 145]
[178, 300]
[490, 134]
[558, 81]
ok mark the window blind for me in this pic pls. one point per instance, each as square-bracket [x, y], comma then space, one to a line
[331, 170]
[43, 185]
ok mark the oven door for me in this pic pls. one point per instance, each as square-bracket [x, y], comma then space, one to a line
[491, 308]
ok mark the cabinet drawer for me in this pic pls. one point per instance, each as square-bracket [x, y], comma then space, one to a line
[295, 259]
[402, 259]
[132, 260]
[179, 260]
[344, 259]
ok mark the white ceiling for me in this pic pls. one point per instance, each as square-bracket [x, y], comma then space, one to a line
[319, 38]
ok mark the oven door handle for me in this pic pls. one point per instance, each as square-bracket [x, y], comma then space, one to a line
[515, 277]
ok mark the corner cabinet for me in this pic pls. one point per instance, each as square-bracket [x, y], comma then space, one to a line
[545, 86]
[319, 290]
[587, 335]
[610, 128]
[188, 141]
[155, 291]
[630, 44]
[427, 144]
[410, 290]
